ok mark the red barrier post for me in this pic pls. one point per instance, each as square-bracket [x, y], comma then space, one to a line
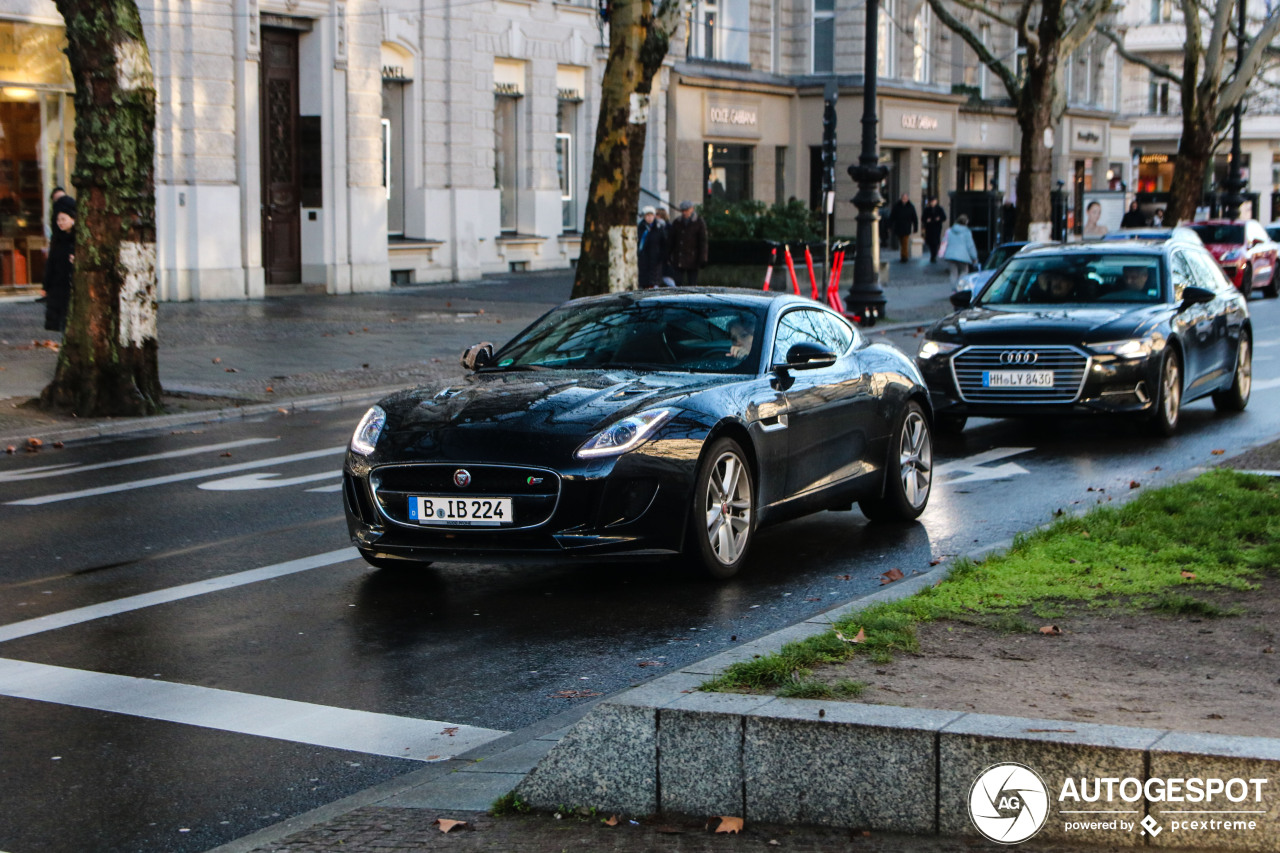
[813, 282]
[791, 268]
[768, 274]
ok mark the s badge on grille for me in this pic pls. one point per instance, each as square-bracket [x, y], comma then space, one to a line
[462, 478]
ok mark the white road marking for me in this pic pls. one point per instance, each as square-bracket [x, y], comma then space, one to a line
[72, 468]
[163, 596]
[177, 478]
[1266, 384]
[335, 487]
[973, 466]
[1273, 343]
[263, 481]
[242, 713]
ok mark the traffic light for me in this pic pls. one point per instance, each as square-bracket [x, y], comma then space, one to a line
[829, 97]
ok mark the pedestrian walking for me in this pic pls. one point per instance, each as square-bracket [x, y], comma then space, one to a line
[960, 252]
[904, 222]
[60, 266]
[1134, 218]
[687, 245]
[933, 217]
[651, 248]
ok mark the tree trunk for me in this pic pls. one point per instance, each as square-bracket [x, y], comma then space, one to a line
[637, 45]
[1195, 152]
[108, 364]
[1035, 175]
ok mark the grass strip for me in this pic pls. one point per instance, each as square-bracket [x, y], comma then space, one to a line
[1218, 531]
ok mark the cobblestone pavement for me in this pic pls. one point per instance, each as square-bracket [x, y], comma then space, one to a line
[371, 829]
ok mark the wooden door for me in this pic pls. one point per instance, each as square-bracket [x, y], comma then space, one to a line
[281, 187]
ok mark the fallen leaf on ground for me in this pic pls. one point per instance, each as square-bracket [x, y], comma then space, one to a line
[1215, 717]
[729, 824]
[1134, 484]
[651, 663]
[890, 576]
[450, 731]
[612, 821]
[934, 562]
[230, 370]
[34, 444]
[844, 577]
[1217, 452]
[270, 390]
[445, 824]
[217, 361]
[574, 694]
[1189, 575]
[1050, 630]
[860, 637]
[10, 449]
[58, 445]
[224, 455]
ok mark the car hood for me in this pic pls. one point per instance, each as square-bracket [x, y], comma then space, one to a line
[508, 414]
[1220, 249]
[1048, 325]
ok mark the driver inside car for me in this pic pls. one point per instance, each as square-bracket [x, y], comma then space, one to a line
[743, 337]
[1053, 286]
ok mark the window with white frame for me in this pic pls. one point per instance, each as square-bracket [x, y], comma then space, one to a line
[984, 75]
[566, 162]
[885, 38]
[505, 153]
[1162, 11]
[921, 58]
[824, 36]
[721, 31]
[1158, 96]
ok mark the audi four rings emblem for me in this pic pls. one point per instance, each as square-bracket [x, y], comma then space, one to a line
[462, 478]
[1019, 357]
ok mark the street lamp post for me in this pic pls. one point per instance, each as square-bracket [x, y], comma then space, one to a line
[1235, 182]
[866, 297]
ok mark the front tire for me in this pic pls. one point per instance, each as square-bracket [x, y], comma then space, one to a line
[908, 483]
[950, 424]
[1235, 398]
[1164, 419]
[722, 518]
[1246, 282]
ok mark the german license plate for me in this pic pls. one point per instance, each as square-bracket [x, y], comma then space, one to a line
[1017, 379]
[460, 512]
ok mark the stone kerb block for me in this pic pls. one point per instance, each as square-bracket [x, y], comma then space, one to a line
[1185, 755]
[1054, 749]
[608, 760]
[700, 753]
[859, 766]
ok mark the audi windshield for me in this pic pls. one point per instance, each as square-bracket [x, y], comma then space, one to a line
[1077, 279]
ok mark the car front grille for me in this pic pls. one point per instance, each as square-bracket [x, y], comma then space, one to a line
[1069, 366]
[534, 491]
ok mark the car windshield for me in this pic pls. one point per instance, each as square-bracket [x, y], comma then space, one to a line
[1273, 231]
[1077, 279]
[1220, 233]
[709, 337]
[1000, 254]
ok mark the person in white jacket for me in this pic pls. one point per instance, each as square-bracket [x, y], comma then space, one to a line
[960, 253]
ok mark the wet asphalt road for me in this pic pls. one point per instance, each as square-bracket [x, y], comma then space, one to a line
[488, 646]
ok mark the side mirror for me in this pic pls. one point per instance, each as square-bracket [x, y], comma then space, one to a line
[961, 298]
[807, 356]
[1194, 294]
[477, 356]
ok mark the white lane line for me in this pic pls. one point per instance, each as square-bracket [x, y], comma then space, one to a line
[262, 480]
[1258, 344]
[242, 713]
[177, 478]
[72, 468]
[1266, 384]
[335, 487]
[163, 596]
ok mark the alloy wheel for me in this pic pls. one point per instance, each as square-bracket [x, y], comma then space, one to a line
[915, 459]
[728, 507]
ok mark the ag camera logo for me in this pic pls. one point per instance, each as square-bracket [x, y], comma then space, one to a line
[1008, 803]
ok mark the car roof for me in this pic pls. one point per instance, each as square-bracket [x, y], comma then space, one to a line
[738, 295]
[1116, 247]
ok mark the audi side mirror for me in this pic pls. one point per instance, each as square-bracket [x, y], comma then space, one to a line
[961, 298]
[1194, 294]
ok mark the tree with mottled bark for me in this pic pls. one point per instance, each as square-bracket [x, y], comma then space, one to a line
[107, 364]
[1049, 31]
[639, 35]
[1209, 86]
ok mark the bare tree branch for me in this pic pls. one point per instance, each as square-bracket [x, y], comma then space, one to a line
[1252, 61]
[985, 56]
[1026, 31]
[1083, 26]
[1137, 59]
[1215, 55]
[988, 11]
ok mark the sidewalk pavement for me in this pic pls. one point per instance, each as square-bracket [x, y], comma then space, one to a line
[221, 360]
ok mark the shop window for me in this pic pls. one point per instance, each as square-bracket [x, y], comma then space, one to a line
[506, 149]
[780, 175]
[566, 163]
[976, 174]
[393, 171]
[728, 172]
[824, 36]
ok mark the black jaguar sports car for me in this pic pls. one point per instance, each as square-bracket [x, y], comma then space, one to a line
[643, 424]
[1136, 328]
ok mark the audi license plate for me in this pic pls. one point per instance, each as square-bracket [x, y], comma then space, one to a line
[1017, 379]
[460, 512]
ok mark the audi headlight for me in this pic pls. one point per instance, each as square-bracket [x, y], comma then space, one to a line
[367, 431]
[1234, 254]
[623, 435]
[1133, 348]
[929, 349]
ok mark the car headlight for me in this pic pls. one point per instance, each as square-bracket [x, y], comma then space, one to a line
[623, 435]
[1234, 254]
[929, 349]
[367, 431]
[1132, 348]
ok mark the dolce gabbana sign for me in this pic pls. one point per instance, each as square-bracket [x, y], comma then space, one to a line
[740, 118]
[917, 123]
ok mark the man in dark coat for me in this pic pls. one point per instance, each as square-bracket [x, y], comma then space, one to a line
[1133, 218]
[651, 248]
[933, 217]
[687, 241]
[904, 222]
[60, 265]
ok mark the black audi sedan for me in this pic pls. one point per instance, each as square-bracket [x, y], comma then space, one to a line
[644, 425]
[1136, 328]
